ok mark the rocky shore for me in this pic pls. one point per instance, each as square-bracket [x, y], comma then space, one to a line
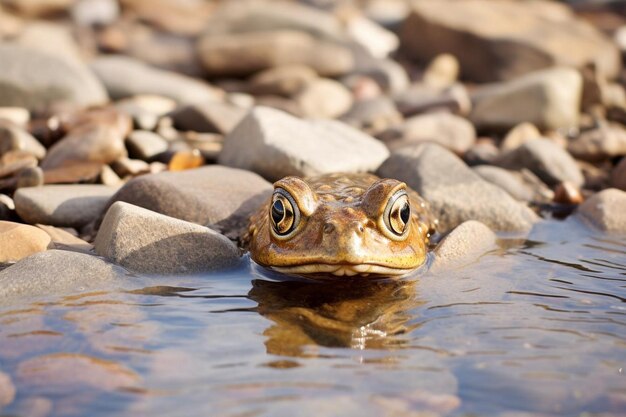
[136, 137]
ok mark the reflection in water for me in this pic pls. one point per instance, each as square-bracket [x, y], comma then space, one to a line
[352, 313]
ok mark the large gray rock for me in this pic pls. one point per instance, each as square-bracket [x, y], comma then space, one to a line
[124, 77]
[241, 54]
[220, 196]
[147, 242]
[605, 210]
[34, 79]
[464, 245]
[275, 144]
[62, 205]
[455, 192]
[504, 39]
[549, 99]
[58, 272]
[545, 159]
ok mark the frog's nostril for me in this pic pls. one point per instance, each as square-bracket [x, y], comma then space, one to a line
[329, 227]
[361, 228]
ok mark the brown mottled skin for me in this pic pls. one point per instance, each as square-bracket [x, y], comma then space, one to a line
[341, 229]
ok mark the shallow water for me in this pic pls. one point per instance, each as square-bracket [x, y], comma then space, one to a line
[537, 327]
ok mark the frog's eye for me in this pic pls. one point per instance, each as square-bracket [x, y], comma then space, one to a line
[398, 213]
[284, 213]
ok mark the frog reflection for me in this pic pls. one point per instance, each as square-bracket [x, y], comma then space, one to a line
[359, 314]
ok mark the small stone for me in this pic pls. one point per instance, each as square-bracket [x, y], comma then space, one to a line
[7, 207]
[109, 177]
[24, 84]
[146, 109]
[147, 242]
[74, 172]
[206, 196]
[363, 88]
[241, 54]
[95, 12]
[549, 99]
[275, 144]
[145, 145]
[133, 167]
[608, 140]
[125, 77]
[389, 75]
[605, 210]
[420, 98]
[518, 135]
[211, 117]
[442, 71]
[14, 161]
[373, 115]
[18, 241]
[567, 193]
[62, 205]
[38, 8]
[183, 160]
[450, 131]
[7, 390]
[545, 159]
[482, 152]
[455, 192]
[30, 177]
[377, 40]
[618, 175]
[463, 246]
[285, 80]
[324, 99]
[19, 116]
[62, 239]
[13, 138]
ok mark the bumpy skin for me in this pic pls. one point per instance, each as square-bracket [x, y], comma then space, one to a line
[342, 231]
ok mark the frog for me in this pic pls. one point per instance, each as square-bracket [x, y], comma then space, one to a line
[341, 225]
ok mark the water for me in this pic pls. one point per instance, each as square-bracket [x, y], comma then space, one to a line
[537, 327]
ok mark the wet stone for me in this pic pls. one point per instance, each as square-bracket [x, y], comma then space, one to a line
[211, 117]
[605, 210]
[275, 144]
[18, 241]
[463, 245]
[455, 192]
[148, 242]
[545, 159]
[606, 141]
[58, 272]
[567, 193]
[549, 99]
[62, 205]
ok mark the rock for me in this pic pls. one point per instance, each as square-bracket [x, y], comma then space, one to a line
[62, 239]
[14, 161]
[74, 172]
[566, 193]
[442, 71]
[606, 141]
[518, 135]
[30, 177]
[62, 205]
[95, 12]
[482, 152]
[109, 177]
[450, 131]
[618, 175]
[377, 40]
[90, 142]
[275, 144]
[18, 116]
[183, 160]
[7, 207]
[362, 87]
[286, 80]
[57, 272]
[605, 210]
[38, 8]
[522, 186]
[549, 99]
[34, 79]
[146, 109]
[145, 145]
[46, 36]
[18, 241]
[551, 163]
[324, 99]
[182, 18]
[13, 138]
[463, 246]
[243, 54]
[209, 117]
[7, 390]
[147, 242]
[389, 74]
[503, 40]
[421, 98]
[373, 115]
[124, 77]
[280, 103]
[455, 192]
[208, 196]
[130, 167]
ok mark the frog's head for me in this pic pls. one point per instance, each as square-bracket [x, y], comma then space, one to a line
[310, 227]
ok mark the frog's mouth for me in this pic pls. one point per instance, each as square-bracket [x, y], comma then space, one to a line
[341, 269]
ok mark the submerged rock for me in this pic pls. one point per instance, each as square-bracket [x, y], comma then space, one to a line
[148, 242]
[605, 210]
[463, 245]
[454, 191]
[275, 144]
